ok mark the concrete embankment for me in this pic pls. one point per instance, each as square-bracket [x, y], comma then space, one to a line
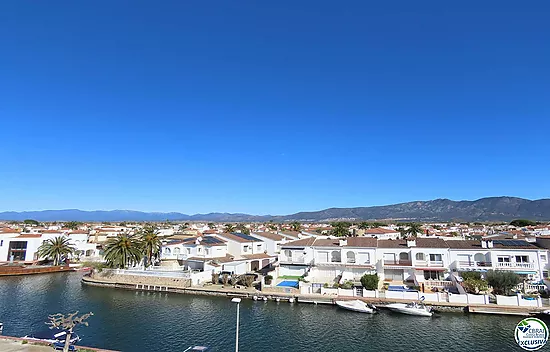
[13, 270]
[145, 284]
[16, 344]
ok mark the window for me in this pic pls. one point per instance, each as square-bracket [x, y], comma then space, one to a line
[351, 257]
[420, 256]
[245, 249]
[503, 259]
[167, 250]
[542, 257]
[1, 243]
[188, 250]
[403, 256]
[435, 258]
[206, 251]
[432, 275]
[522, 259]
[335, 257]
[199, 249]
[259, 247]
[177, 250]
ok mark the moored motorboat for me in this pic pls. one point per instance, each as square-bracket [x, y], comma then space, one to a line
[412, 308]
[52, 338]
[356, 306]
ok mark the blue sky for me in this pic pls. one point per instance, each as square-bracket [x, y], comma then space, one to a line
[276, 107]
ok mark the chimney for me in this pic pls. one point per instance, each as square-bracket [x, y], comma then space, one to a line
[411, 242]
[490, 244]
[343, 242]
[483, 244]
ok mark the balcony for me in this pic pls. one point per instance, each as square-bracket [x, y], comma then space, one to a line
[398, 262]
[430, 263]
[473, 264]
[515, 265]
[293, 260]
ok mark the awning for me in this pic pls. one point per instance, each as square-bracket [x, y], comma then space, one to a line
[525, 272]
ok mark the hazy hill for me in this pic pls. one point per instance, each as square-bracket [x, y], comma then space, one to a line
[484, 209]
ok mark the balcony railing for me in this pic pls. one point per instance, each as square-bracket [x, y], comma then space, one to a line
[292, 260]
[515, 265]
[398, 262]
[473, 264]
[430, 263]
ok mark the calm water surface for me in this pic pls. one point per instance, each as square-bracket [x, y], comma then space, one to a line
[138, 321]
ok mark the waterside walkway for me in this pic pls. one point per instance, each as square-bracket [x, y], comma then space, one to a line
[15, 344]
[270, 294]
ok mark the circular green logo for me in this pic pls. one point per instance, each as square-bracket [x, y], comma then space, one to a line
[531, 334]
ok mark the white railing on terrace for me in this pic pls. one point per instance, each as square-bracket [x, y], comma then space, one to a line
[439, 283]
[530, 287]
[430, 263]
[472, 264]
[515, 265]
[149, 272]
[299, 260]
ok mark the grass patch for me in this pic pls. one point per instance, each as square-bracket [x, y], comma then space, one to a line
[289, 277]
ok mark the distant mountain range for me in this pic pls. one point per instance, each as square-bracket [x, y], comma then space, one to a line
[484, 209]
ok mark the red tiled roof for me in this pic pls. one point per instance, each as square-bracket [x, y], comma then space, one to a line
[257, 256]
[30, 235]
[379, 230]
[269, 235]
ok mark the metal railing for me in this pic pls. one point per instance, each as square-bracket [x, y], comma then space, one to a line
[515, 265]
[398, 262]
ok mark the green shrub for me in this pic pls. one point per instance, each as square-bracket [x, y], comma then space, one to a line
[502, 282]
[347, 285]
[268, 279]
[470, 275]
[370, 281]
[325, 285]
[475, 286]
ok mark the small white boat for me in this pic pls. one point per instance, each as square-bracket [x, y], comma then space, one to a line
[1, 328]
[47, 337]
[412, 308]
[255, 298]
[356, 306]
[291, 300]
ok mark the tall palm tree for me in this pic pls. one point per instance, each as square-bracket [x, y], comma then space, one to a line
[295, 226]
[150, 242]
[122, 251]
[243, 229]
[340, 229]
[56, 248]
[414, 229]
[229, 228]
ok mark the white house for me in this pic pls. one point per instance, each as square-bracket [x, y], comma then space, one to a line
[382, 233]
[519, 256]
[272, 241]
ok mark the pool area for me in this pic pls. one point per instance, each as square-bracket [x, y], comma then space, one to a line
[288, 283]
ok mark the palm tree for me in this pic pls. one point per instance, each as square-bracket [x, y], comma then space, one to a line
[183, 227]
[56, 248]
[340, 229]
[229, 228]
[243, 229]
[150, 243]
[122, 251]
[414, 229]
[364, 225]
[295, 226]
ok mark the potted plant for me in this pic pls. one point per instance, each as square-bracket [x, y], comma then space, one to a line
[268, 279]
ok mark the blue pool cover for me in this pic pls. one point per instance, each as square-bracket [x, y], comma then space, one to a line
[288, 283]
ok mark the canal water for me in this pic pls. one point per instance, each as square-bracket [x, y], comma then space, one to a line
[139, 321]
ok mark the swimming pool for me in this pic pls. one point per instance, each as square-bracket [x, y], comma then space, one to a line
[288, 283]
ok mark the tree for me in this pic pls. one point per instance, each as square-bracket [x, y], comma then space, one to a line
[414, 229]
[122, 251]
[340, 229]
[183, 227]
[31, 222]
[67, 323]
[502, 282]
[370, 281]
[272, 227]
[295, 226]
[73, 225]
[211, 225]
[364, 225]
[150, 242]
[475, 286]
[229, 228]
[522, 223]
[56, 248]
[243, 229]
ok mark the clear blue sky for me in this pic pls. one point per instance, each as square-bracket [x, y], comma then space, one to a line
[271, 107]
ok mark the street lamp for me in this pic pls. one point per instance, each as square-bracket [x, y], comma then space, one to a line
[238, 301]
